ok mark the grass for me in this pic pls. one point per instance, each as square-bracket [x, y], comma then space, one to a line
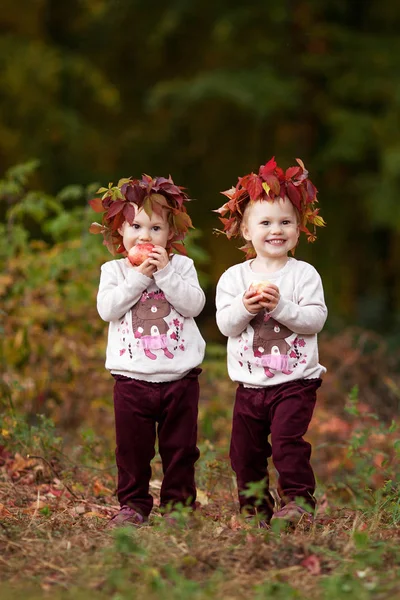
[53, 541]
[57, 494]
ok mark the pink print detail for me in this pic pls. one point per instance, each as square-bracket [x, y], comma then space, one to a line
[173, 336]
[275, 361]
[150, 354]
[301, 343]
[181, 347]
[122, 351]
[293, 354]
[245, 348]
[167, 353]
[176, 322]
[153, 342]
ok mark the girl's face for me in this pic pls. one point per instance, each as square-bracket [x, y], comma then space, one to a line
[272, 227]
[155, 230]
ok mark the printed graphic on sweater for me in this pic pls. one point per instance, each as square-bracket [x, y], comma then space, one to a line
[269, 344]
[149, 325]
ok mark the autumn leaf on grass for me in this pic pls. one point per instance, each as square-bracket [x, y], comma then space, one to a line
[312, 564]
[20, 463]
[93, 513]
[5, 513]
[101, 490]
[202, 497]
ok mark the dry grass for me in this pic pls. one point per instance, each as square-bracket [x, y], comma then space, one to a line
[53, 541]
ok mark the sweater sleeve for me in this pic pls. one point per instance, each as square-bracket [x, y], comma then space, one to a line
[115, 296]
[308, 315]
[180, 284]
[232, 315]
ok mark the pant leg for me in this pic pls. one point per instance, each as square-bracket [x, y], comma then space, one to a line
[135, 404]
[250, 449]
[177, 439]
[291, 410]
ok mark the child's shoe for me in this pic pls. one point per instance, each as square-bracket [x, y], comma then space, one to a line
[293, 514]
[126, 516]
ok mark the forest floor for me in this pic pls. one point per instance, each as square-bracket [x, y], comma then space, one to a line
[53, 543]
[57, 493]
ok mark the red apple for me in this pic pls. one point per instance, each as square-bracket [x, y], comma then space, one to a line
[258, 287]
[138, 254]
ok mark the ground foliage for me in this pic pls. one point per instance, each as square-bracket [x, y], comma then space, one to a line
[57, 474]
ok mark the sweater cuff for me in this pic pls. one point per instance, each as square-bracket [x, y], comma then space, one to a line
[165, 273]
[133, 277]
[280, 308]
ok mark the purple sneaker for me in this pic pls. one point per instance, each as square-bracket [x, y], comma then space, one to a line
[294, 514]
[126, 516]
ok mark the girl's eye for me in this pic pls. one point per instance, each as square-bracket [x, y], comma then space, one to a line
[156, 228]
[285, 222]
[136, 226]
[265, 223]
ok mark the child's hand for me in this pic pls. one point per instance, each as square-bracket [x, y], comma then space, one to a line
[271, 296]
[159, 257]
[268, 299]
[146, 268]
[253, 302]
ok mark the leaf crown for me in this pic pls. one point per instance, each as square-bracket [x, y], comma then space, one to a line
[271, 183]
[148, 193]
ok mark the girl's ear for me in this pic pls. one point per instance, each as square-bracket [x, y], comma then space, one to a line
[171, 234]
[121, 229]
[245, 232]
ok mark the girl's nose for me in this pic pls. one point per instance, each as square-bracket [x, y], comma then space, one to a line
[276, 228]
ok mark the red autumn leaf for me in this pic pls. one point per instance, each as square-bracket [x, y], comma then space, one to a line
[228, 193]
[179, 248]
[254, 187]
[294, 195]
[134, 193]
[273, 183]
[312, 564]
[311, 191]
[129, 212]
[97, 205]
[117, 222]
[292, 172]
[222, 210]
[96, 228]
[115, 208]
[268, 168]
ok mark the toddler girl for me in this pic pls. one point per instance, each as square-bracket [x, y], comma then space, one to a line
[271, 307]
[154, 346]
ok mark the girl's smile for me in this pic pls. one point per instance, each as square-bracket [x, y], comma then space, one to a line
[272, 228]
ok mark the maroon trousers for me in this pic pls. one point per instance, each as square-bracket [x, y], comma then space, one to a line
[283, 411]
[171, 408]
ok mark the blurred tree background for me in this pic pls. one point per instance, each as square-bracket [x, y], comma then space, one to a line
[95, 90]
[207, 91]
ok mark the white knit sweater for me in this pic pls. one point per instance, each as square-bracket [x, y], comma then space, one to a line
[280, 345]
[152, 333]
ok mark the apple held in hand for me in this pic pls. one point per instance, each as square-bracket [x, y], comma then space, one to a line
[138, 253]
[258, 287]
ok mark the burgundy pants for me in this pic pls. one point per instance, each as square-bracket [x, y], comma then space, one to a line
[285, 412]
[139, 407]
